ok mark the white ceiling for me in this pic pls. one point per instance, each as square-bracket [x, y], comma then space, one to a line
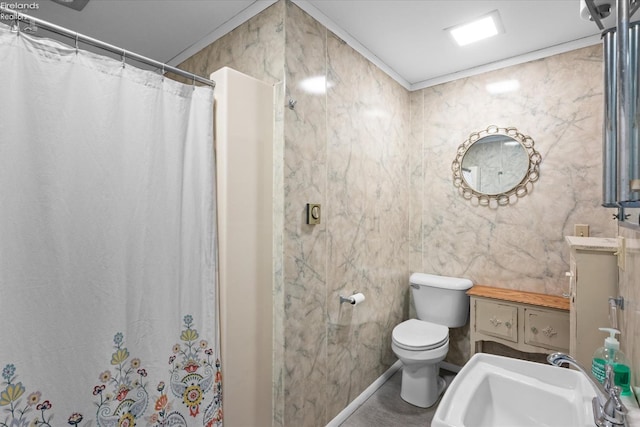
[404, 38]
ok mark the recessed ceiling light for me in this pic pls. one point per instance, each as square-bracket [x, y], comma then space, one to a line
[484, 27]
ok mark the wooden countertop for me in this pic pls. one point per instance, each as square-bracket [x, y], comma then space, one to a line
[522, 297]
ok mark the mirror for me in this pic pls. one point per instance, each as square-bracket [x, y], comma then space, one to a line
[496, 166]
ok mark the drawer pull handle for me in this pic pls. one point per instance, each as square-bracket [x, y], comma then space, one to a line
[495, 321]
[549, 332]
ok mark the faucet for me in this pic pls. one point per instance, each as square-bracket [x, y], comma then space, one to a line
[608, 409]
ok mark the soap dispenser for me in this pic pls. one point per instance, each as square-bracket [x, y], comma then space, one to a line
[610, 354]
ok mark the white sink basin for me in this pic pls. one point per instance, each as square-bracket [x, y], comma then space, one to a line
[496, 391]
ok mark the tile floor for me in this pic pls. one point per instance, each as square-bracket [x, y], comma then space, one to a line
[385, 408]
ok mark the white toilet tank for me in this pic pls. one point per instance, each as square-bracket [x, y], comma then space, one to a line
[441, 299]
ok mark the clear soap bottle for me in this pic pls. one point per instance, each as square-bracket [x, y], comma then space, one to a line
[610, 354]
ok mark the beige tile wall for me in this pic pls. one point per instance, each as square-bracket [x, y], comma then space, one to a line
[346, 149]
[305, 246]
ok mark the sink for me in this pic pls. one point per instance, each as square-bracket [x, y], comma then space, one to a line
[496, 391]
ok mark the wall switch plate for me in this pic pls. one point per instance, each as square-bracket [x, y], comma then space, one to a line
[581, 230]
[622, 250]
[313, 213]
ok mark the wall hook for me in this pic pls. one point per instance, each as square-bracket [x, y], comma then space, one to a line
[292, 103]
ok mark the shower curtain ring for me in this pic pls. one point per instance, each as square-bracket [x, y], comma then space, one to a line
[77, 48]
[124, 57]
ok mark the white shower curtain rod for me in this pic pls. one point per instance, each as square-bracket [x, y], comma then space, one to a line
[102, 45]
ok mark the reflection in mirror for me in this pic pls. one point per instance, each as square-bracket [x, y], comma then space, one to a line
[496, 166]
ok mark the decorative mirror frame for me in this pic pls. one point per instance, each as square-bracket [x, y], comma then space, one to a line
[500, 199]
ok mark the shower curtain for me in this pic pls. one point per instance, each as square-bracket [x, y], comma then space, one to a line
[107, 243]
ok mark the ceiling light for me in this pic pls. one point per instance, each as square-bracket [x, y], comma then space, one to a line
[484, 27]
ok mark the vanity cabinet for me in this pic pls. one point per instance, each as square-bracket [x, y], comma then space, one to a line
[526, 321]
[593, 278]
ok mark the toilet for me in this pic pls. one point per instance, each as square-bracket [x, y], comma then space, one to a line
[441, 303]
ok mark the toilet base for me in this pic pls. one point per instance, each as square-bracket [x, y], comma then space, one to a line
[422, 386]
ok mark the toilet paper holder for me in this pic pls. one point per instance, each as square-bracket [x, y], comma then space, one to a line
[345, 299]
[354, 299]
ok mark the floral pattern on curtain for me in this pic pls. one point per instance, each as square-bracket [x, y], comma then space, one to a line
[123, 393]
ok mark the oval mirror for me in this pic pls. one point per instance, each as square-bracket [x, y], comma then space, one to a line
[496, 166]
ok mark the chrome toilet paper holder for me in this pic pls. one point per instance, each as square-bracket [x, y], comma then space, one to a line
[345, 299]
[351, 299]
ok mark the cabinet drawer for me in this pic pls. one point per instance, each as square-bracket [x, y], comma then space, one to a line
[498, 320]
[549, 329]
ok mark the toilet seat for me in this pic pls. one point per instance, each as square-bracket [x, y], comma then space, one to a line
[418, 335]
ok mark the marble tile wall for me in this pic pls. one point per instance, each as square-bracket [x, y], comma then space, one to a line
[378, 159]
[368, 237]
[305, 246]
[346, 149]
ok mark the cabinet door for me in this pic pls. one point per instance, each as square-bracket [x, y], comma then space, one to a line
[596, 280]
[548, 329]
[498, 320]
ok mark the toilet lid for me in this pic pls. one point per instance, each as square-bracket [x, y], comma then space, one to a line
[414, 334]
